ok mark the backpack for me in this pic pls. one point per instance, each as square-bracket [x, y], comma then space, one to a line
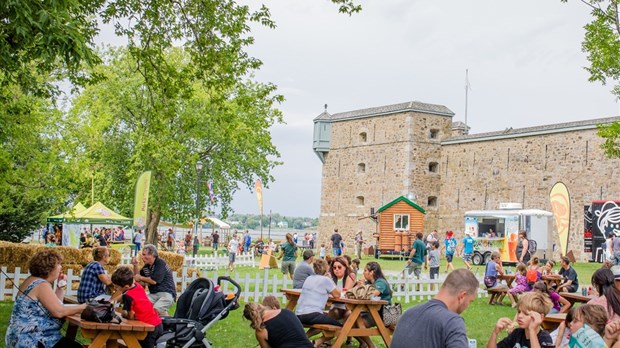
[531, 276]
[532, 246]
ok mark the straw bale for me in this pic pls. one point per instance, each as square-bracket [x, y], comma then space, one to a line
[174, 261]
[86, 256]
[76, 267]
[70, 255]
[115, 257]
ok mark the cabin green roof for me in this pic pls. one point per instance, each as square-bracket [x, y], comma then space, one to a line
[402, 199]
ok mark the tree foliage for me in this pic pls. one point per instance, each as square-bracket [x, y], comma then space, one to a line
[122, 129]
[602, 45]
[33, 173]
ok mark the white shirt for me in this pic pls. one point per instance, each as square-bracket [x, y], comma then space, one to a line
[233, 246]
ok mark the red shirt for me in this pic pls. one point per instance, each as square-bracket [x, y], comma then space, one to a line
[135, 299]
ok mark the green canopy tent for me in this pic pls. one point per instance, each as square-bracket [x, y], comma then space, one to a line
[60, 218]
[98, 214]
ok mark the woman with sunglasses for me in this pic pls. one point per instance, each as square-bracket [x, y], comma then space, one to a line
[344, 279]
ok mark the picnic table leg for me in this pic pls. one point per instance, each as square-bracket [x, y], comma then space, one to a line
[348, 325]
[130, 340]
[385, 333]
[100, 340]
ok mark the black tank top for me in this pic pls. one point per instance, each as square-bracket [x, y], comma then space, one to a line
[285, 331]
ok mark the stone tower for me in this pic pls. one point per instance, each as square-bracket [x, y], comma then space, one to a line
[372, 156]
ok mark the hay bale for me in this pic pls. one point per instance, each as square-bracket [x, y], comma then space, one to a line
[70, 255]
[115, 257]
[76, 267]
[174, 261]
[86, 256]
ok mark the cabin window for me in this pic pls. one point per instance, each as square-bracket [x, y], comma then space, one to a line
[363, 137]
[434, 134]
[433, 167]
[361, 168]
[359, 200]
[401, 222]
[432, 201]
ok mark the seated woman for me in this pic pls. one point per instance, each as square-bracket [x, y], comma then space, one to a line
[37, 314]
[94, 278]
[374, 275]
[608, 296]
[344, 279]
[276, 328]
[313, 298]
[493, 270]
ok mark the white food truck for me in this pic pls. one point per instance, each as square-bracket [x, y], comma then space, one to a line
[498, 230]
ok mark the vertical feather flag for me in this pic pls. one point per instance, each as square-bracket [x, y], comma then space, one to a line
[560, 205]
[259, 195]
[211, 194]
[141, 201]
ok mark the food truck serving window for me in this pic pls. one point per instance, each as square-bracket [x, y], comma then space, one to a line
[401, 222]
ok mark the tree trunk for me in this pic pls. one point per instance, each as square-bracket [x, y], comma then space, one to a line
[151, 231]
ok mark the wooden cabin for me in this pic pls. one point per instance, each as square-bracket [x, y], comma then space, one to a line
[398, 222]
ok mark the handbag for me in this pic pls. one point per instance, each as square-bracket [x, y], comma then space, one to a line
[100, 311]
[391, 314]
[361, 292]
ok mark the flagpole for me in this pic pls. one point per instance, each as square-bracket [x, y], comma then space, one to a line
[466, 92]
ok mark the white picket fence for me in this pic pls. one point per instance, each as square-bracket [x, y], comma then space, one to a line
[254, 286]
[210, 262]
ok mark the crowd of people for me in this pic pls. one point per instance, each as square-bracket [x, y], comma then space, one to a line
[38, 312]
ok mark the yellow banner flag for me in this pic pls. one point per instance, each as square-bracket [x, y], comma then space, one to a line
[259, 195]
[141, 202]
[560, 206]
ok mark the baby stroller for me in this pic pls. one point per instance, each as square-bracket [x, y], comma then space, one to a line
[198, 308]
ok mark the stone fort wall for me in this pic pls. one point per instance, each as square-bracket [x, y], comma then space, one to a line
[373, 160]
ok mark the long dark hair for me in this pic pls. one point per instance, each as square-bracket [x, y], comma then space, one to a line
[603, 280]
[377, 273]
[347, 270]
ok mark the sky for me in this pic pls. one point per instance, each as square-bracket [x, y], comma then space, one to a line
[525, 63]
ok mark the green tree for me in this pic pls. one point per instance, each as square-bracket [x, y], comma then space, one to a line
[602, 45]
[33, 172]
[123, 128]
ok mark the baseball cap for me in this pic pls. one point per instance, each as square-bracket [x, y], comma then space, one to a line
[308, 254]
[616, 271]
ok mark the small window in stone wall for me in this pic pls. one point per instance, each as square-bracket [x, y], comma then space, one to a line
[432, 201]
[433, 167]
[361, 168]
[434, 134]
[359, 200]
[363, 137]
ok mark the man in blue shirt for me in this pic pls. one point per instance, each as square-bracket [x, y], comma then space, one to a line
[468, 248]
[417, 256]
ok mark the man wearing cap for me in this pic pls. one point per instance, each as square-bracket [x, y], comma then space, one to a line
[304, 270]
[359, 242]
[571, 283]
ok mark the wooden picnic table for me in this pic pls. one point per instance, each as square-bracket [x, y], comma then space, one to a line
[292, 296]
[70, 300]
[552, 321]
[108, 334]
[509, 278]
[552, 279]
[354, 326]
[574, 297]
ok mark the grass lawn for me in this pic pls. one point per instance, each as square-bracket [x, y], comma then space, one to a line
[233, 331]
